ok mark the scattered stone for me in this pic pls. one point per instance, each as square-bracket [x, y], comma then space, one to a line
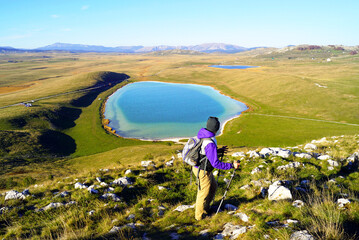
[242, 216]
[79, 185]
[230, 207]
[4, 209]
[301, 235]
[92, 212]
[52, 205]
[233, 231]
[320, 141]
[290, 165]
[256, 170]
[170, 163]
[298, 203]
[114, 197]
[278, 192]
[215, 173]
[103, 184]
[253, 154]
[116, 229]
[13, 194]
[245, 187]
[310, 147]
[324, 157]
[92, 189]
[63, 194]
[303, 155]
[333, 163]
[184, 207]
[99, 179]
[204, 232]
[330, 168]
[342, 202]
[131, 216]
[274, 223]
[239, 154]
[161, 188]
[291, 221]
[147, 164]
[123, 181]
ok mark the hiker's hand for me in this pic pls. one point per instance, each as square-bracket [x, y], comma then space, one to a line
[236, 164]
[223, 150]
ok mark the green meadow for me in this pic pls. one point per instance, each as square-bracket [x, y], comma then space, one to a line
[294, 96]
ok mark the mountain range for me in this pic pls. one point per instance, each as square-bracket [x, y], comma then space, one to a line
[207, 48]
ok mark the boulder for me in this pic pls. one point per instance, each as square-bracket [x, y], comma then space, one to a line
[301, 235]
[123, 181]
[13, 194]
[278, 192]
[233, 231]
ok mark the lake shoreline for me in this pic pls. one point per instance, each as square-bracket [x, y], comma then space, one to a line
[179, 140]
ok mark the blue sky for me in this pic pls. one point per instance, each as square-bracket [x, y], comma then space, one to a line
[250, 23]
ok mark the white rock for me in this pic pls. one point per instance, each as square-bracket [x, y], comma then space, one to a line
[13, 194]
[170, 163]
[239, 154]
[103, 184]
[266, 152]
[256, 170]
[242, 216]
[310, 146]
[333, 163]
[215, 173]
[290, 165]
[179, 155]
[161, 188]
[324, 157]
[128, 171]
[277, 192]
[283, 153]
[92, 212]
[92, 190]
[298, 203]
[204, 232]
[245, 187]
[147, 163]
[330, 168]
[253, 154]
[230, 207]
[123, 181]
[79, 185]
[63, 194]
[291, 221]
[233, 231]
[183, 207]
[320, 141]
[303, 155]
[131, 216]
[301, 235]
[99, 179]
[342, 202]
[111, 195]
[53, 205]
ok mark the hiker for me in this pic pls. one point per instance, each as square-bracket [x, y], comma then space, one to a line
[207, 185]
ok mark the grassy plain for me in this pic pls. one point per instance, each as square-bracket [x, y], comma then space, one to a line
[297, 84]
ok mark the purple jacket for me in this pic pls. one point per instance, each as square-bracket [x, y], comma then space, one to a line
[211, 151]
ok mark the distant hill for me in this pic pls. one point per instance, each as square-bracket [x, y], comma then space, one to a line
[207, 48]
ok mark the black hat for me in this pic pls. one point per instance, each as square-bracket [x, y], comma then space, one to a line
[213, 124]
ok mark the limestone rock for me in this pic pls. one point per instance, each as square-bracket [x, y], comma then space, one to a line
[298, 203]
[333, 163]
[128, 171]
[303, 155]
[256, 170]
[310, 147]
[242, 216]
[53, 205]
[342, 202]
[301, 235]
[13, 194]
[114, 197]
[253, 154]
[170, 163]
[290, 165]
[278, 192]
[239, 154]
[123, 181]
[147, 164]
[324, 157]
[233, 231]
[79, 185]
[183, 207]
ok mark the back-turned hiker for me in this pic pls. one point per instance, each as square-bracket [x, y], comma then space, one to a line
[207, 185]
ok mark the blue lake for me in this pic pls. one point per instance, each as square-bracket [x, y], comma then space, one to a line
[155, 110]
[233, 66]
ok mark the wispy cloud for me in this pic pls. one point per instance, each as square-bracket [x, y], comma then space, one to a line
[55, 16]
[85, 7]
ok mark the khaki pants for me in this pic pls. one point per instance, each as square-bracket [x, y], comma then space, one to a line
[204, 196]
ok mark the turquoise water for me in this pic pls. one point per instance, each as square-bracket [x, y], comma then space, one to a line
[155, 110]
[233, 66]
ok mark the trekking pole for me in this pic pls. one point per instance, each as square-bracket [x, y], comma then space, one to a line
[225, 193]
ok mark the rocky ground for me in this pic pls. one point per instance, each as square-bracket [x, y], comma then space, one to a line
[303, 192]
